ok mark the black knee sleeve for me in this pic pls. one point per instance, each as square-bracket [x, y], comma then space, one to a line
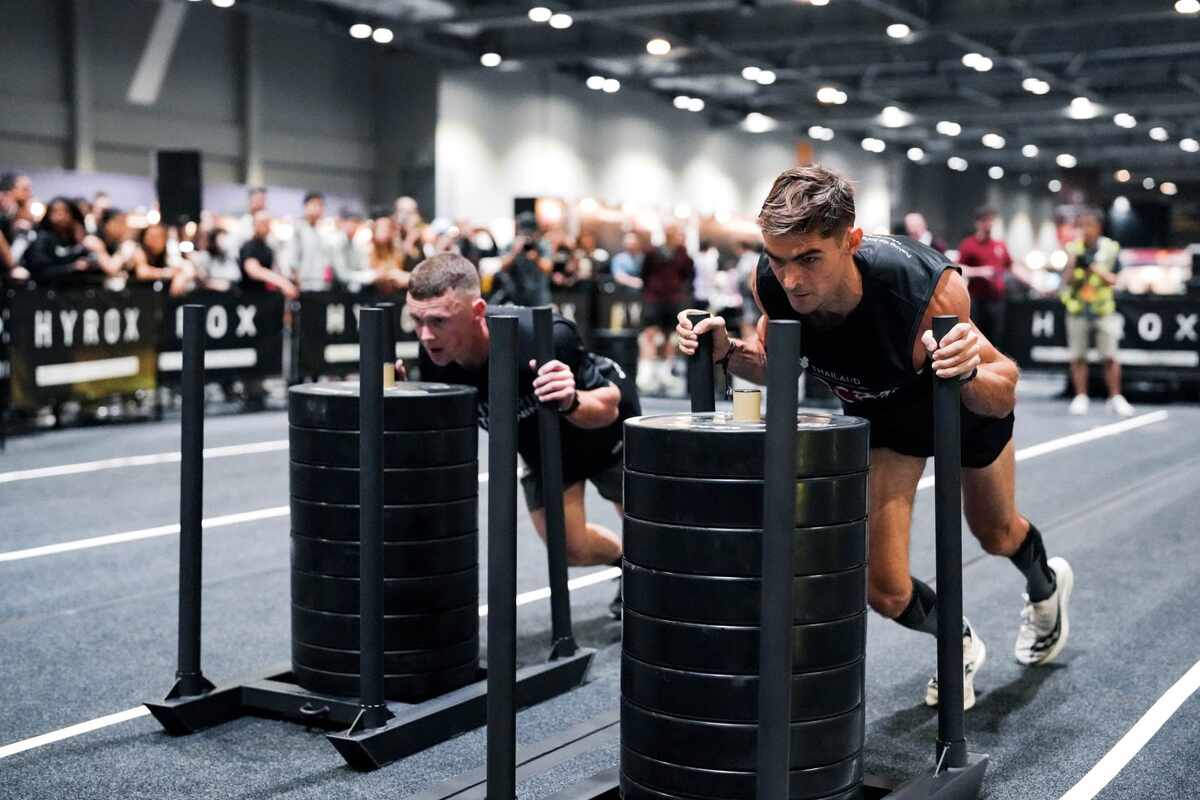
[921, 612]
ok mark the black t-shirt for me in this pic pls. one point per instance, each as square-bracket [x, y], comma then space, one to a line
[261, 252]
[585, 451]
[866, 360]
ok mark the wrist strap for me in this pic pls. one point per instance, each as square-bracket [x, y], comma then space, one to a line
[970, 377]
[569, 410]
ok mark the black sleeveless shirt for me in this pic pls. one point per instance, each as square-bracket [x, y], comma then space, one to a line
[866, 360]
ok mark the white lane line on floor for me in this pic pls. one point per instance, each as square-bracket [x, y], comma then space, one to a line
[525, 598]
[74, 730]
[1131, 743]
[1070, 440]
[144, 533]
[139, 461]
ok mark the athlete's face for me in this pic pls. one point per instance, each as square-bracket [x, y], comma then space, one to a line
[812, 268]
[447, 325]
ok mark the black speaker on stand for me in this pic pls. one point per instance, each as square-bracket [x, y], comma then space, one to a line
[177, 180]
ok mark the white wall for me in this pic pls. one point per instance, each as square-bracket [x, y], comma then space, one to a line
[536, 133]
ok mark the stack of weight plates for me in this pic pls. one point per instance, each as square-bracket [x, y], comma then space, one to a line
[430, 532]
[693, 550]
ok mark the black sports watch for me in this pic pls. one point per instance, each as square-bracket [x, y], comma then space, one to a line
[569, 410]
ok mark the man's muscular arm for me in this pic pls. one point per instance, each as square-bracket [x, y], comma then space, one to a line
[747, 359]
[993, 391]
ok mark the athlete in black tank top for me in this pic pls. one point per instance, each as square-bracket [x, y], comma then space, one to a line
[866, 305]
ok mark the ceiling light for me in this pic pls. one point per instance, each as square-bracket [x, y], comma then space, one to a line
[971, 59]
[1147, 183]
[993, 140]
[1168, 188]
[360, 30]
[1030, 151]
[957, 164]
[898, 30]
[818, 2]
[1035, 86]
[894, 117]
[595, 82]
[1159, 133]
[751, 73]
[223, 3]
[383, 35]
[765, 77]
[561, 22]
[658, 47]
[612, 85]
[915, 154]
[1124, 120]
[947, 128]
[996, 172]
[1122, 175]
[540, 14]
[758, 123]
[1187, 6]
[681, 102]
[695, 105]
[1055, 185]
[490, 59]
[1065, 160]
[1081, 108]
[1189, 145]
[821, 133]
[1121, 205]
[831, 95]
[873, 145]
[983, 64]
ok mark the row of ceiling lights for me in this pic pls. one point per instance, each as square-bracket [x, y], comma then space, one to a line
[219, 3]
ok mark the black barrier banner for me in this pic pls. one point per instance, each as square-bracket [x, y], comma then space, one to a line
[575, 304]
[329, 331]
[81, 345]
[243, 336]
[618, 307]
[1160, 334]
[5, 362]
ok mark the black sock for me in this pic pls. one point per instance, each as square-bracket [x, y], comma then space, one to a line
[1031, 560]
[921, 612]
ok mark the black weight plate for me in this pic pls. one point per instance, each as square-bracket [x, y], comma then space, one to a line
[728, 745]
[406, 688]
[733, 649]
[400, 559]
[734, 698]
[719, 600]
[400, 486]
[401, 449]
[668, 780]
[408, 406]
[400, 631]
[418, 522]
[714, 445]
[738, 551]
[407, 595]
[394, 661]
[718, 503]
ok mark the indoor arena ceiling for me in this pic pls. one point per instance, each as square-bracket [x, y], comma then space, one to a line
[1137, 63]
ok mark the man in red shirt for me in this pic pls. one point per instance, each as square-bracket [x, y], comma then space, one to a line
[667, 274]
[985, 263]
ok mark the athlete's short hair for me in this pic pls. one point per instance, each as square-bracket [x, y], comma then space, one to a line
[438, 274]
[808, 199]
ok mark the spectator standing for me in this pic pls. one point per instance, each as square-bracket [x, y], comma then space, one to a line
[256, 259]
[985, 263]
[385, 258]
[627, 263]
[1091, 306]
[707, 262]
[747, 255]
[243, 228]
[153, 261]
[17, 224]
[522, 281]
[309, 255]
[59, 255]
[667, 274]
[918, 229]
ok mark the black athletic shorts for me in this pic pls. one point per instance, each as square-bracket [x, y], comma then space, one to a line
[609, 481]
[983, 438]
[662, 315]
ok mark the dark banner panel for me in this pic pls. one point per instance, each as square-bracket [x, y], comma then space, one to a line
[1161, 335]
[243, 336]
[329, 331]
[617, 307]
[81, 345]
[575, 303]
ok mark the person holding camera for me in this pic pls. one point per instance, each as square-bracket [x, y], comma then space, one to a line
[522, 280]
[63, 255]
[1090, 301]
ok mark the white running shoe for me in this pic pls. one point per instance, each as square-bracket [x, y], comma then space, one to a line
[1045, 625]
[974, 654]
[1079, 405]
[1118, 405]
[647, 376]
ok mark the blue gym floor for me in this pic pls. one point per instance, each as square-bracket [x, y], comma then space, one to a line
[89, 633]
